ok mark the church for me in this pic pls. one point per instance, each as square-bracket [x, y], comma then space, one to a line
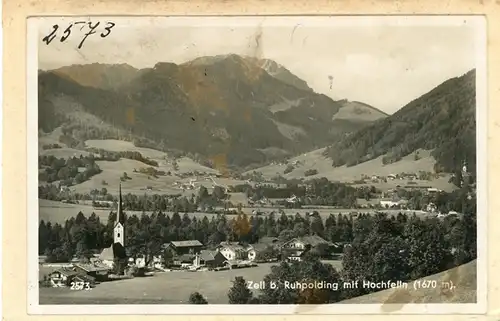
[115, 256]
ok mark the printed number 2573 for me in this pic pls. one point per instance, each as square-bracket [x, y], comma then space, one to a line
[80, 286]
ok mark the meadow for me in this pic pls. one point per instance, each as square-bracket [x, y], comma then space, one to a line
[161, 288]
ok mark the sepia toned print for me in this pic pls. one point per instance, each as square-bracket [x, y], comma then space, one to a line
[302, 164]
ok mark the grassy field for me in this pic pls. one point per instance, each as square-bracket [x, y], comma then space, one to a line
[57, 212]
[162, 288]
[112, 171]
[316, 160]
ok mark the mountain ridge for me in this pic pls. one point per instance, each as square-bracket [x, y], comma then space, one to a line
[210, 106]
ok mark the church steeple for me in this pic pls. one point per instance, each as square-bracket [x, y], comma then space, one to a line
[120, 217]
[119, 230]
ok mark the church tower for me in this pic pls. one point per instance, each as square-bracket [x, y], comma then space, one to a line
[119, 229]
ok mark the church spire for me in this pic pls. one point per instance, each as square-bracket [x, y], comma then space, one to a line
[120, 217]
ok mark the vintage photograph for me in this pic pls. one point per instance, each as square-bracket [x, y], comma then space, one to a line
[270, 161]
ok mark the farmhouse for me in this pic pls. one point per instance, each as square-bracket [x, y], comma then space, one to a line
[96, 270]
[392, 202]
[297, 247]
[236, 251]
[61, 277]
[265, 252]
[184, 247]
[210, 259]
[184, 260]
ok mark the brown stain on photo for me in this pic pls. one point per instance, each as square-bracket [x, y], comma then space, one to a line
[396, 301]
[220, 163]
[130, 115]
[400, 297]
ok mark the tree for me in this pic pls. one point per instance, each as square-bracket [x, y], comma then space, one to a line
[317, 225]
[197, 298]
[239, 293]
[309, 270]
[219, 193]
[428, 251]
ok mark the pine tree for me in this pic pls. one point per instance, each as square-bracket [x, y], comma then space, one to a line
[239, 292]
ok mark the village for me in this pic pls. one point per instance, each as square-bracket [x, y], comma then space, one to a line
[117, 263]
[185, 256]
[199, 261]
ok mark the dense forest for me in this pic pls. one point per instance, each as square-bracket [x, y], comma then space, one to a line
[442, 120]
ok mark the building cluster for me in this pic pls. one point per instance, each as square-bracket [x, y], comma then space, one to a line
[117, 261]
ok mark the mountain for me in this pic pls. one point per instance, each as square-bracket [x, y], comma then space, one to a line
[248, 110]
[355, 110]
[443, 120]
[99, 75]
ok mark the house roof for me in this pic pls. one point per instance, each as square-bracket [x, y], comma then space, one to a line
[87, 278]
[261, 246]
[107, 254]
[234, 246]
[116, 250]
[66, 272]
[207, 255]
[312, 240]
[186, 243]
[91, 267]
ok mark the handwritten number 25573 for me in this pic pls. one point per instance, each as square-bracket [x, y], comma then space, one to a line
[67, 32]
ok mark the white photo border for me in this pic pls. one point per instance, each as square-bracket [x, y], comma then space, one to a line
[480, 307]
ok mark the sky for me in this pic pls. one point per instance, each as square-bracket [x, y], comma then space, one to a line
[384, 62]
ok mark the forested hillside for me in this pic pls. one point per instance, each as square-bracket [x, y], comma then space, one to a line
[442, 120]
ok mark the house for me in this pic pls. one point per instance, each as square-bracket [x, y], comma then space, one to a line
[210, 259]
[62, 277]
[138, 260]
[388, 203]
[297, 247]
[96, 270]
[236, 251]
[265, 252]
[156, 262]
[431, 207]
[184, 260]
[392, 202]
[184, 247]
